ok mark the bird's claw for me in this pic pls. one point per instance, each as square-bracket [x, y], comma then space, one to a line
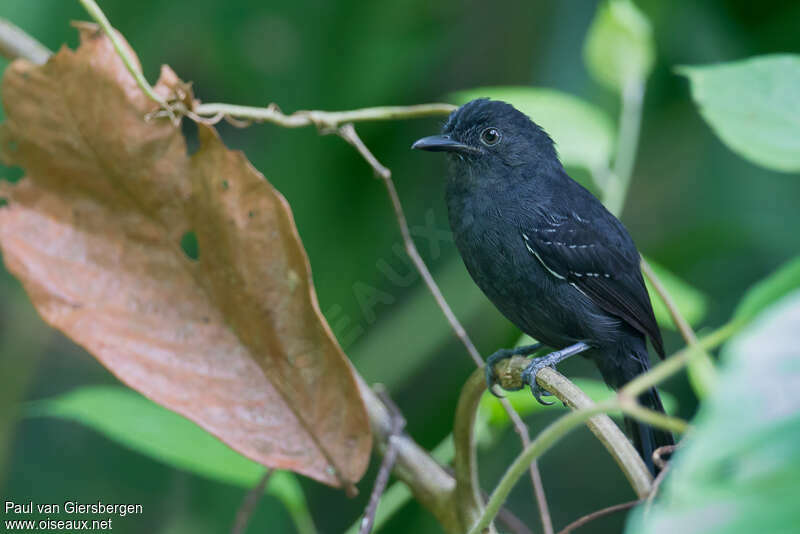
[529, 377]
[491, 376]
[491, 381]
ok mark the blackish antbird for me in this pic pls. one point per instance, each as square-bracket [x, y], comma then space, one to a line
[546, 252]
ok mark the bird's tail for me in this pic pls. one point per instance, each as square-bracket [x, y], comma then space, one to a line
[645, 438]
[631, 361]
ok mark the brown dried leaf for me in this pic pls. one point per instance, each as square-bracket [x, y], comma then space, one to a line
[233, 340]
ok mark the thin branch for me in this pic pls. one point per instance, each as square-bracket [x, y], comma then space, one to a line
[14, 43]
[324, 120]
[598, 514]
[389, 457]
[702, 372]
[656, 487]
[658, 454]
[677, 317]
[349, 134]
[97, 14]
[665, 467]
[513, 523]
[248, 506]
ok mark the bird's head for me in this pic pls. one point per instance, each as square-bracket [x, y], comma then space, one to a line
[487, 132]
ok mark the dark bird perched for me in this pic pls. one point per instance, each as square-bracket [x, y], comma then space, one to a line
[547, 253]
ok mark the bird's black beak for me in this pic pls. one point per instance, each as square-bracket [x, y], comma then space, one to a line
[442, 143]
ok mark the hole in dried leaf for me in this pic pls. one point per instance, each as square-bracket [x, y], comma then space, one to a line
[11, 146]
[12, 174]
[190, 246]
[225, 185]
[190, 136]
[3, 202]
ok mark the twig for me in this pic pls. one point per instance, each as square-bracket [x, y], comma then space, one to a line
[677, 317]
[656, 487]
[349, 134]
[701, 371]
[14, 43]
[324, 120]
[598, 514]
[248, 506]
[97, 14]
[389, 457]
[512, 522]
[658, 460]
[431, 484]
[661, 464]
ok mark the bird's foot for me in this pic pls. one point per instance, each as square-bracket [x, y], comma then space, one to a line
[530, 372]
[504, 354]
[529, 377]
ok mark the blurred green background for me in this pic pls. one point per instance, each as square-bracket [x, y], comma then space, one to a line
[703, 212]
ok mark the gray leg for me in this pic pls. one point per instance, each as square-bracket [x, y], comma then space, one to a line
[502, 354]
[530, 372]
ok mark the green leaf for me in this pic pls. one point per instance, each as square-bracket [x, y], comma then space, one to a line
[753, 105]
[145, 427]
[619, 48]
[583, 133]
[767, 291]
[691, 302]
[738, 470]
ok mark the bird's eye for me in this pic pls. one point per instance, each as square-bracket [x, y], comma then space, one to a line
[491, 136]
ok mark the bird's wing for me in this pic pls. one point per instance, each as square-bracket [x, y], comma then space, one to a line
[597, 257]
